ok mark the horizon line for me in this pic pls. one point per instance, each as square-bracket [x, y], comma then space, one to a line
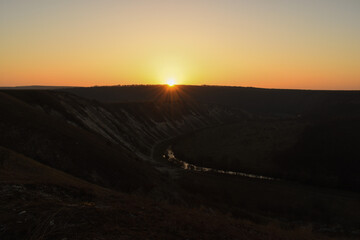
[164, 84]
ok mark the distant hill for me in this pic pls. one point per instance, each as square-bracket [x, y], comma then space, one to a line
[34, 87]
[270, 102]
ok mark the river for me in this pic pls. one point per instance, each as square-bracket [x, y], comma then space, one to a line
[170, 156]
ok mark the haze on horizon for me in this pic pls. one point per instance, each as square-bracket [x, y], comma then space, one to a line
[308, 44]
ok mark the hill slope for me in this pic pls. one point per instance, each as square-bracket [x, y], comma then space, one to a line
[51, 204]
[102, 143]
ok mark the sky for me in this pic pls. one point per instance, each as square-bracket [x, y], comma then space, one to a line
[297, 44]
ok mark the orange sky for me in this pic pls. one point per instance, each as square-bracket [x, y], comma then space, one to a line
[261, 43]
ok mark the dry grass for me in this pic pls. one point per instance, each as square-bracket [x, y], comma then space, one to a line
[16, 168]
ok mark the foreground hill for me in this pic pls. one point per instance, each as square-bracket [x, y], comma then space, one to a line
[51, 204]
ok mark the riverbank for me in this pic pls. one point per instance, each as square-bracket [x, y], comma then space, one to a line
[291, 204]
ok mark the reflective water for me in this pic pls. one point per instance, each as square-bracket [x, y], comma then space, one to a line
[188, 166]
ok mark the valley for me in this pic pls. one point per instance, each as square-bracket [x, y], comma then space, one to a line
[98, 150]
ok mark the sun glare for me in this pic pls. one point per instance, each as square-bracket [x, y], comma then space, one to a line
[171, 82]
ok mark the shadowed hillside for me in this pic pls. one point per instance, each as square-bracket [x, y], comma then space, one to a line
[51, 140]
[99, 142]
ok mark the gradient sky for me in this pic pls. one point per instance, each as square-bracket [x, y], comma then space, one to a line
[307, 44]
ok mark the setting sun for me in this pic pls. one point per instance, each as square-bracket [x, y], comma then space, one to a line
[171, 82]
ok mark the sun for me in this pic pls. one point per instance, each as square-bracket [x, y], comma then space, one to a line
[171, 82]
